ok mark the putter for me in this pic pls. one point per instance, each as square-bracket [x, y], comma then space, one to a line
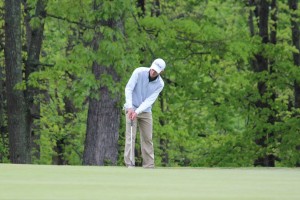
[131, 144]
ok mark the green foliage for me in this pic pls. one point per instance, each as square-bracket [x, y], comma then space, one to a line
[211, 93]
[207, 114]
[4, 154]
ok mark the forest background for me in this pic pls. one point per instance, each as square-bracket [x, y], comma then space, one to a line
[232, 81]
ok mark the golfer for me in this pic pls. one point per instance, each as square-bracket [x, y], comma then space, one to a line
[141, 91]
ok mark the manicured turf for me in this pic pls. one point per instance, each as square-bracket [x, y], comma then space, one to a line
[40, 182]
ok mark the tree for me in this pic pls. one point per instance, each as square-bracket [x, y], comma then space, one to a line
[101, 143]
[18, 126]
[293, 5]
[230, 96]
[3, 121]
[34, 39]
[262, 68]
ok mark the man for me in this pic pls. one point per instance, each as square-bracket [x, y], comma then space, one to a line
[141, 91]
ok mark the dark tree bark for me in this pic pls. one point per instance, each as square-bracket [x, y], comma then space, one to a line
[155, 11]
[273, 35]
[101, 144]
[104, 114]
[141, 4]
[34, 39]
[261, 64]
[19, 137]
[3, 126]
[59, 159]
[250, 19]
[293, 5]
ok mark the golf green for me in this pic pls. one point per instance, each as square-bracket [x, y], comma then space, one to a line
[47, 182]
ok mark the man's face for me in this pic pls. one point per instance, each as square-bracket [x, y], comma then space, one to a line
[153, 73]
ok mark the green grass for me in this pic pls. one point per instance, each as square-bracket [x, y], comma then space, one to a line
[40, 182]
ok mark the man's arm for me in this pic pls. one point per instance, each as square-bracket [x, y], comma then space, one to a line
[149, 101]
[129, 89]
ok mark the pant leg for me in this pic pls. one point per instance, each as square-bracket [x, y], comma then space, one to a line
[129, 148]
[145, 126]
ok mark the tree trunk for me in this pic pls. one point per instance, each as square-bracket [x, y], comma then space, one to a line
[141, 4]
[293, 4]
[3, 126]
[19, 137]
[34, 36]
[155, 11]
[101, 144]
[261, 64]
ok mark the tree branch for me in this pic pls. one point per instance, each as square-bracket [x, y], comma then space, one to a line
[70, 21]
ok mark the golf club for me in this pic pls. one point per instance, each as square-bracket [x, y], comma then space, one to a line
[131, 144]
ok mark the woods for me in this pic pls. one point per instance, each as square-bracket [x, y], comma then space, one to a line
[232, 82]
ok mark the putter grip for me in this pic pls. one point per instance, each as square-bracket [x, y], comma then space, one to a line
[131, 123]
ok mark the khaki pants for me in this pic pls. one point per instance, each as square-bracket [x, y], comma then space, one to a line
[144, 122]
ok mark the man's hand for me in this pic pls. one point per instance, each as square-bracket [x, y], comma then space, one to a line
[131, 114]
